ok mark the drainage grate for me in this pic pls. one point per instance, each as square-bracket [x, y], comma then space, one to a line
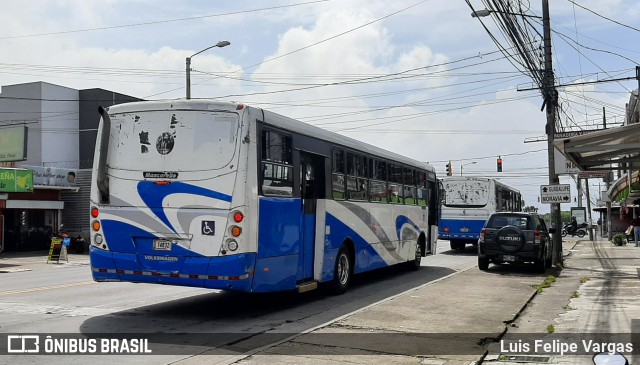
[524, 358]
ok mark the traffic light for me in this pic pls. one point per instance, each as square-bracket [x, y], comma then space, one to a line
[449, 169]
[499, 164]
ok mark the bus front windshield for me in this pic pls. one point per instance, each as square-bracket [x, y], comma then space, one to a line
[468, 193]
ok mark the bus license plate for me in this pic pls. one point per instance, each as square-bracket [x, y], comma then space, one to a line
[464, 230]
[162, 245]
[509, 258]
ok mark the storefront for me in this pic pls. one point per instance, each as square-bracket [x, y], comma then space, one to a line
[27, 219]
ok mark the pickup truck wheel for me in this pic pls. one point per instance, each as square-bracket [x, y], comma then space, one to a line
[548, 257]
[483, 263]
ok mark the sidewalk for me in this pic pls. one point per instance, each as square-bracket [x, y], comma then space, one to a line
[37, 260]
[598, 292]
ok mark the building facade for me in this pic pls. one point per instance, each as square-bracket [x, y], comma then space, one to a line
[61, 126]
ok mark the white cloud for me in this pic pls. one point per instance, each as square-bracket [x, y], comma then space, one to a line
[429, 34]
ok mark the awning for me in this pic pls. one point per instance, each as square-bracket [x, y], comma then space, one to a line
[604, 150]
[35, 204]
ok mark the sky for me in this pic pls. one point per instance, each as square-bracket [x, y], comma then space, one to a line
[417, 77]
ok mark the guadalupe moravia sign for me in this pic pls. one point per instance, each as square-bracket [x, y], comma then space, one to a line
[16, 181]
[560, 193]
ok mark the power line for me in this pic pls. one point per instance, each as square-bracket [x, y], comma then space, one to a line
[603, 17]
[161, 21]
[313, 45]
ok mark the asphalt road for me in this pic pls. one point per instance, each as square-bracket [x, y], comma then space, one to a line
[66, 300]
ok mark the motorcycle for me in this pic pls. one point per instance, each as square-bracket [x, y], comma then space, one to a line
[580, 230]
[77, 243]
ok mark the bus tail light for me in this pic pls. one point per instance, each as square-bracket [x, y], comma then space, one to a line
[95, 225]
[236, 231]
[232, 245]
[95, 212]
[446, 229]
[238, 217]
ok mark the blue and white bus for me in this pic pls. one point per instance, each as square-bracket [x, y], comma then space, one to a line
[226, 196]
[466, 205]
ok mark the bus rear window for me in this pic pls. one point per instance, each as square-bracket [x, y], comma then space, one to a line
[168, 141]
[466, 193]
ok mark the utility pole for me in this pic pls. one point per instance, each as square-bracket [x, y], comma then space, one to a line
[607, 181]
[589, 217]
[550, 95]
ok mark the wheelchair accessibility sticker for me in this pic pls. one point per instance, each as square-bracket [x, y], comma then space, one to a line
[208, 228]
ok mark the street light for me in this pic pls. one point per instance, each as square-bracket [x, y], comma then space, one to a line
[486, 12]
[470, 163]
[219, 44]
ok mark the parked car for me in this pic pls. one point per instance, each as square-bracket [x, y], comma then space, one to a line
[515, 238]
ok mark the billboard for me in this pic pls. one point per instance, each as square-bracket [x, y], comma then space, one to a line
[13, 143]
[16, 181]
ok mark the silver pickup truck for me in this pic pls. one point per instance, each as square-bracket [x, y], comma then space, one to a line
[515, 237]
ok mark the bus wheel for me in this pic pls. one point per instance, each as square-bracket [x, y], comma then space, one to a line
[457, 245]
[342, 272]
[414, 264]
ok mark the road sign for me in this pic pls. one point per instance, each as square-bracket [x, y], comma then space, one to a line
[560, 193]
[592, 174]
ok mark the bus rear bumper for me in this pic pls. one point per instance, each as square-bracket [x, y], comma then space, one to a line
[233, 273]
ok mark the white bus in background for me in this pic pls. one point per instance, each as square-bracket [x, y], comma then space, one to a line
[226, 196]
[466, 205]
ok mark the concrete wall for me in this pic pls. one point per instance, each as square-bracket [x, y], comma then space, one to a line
[89, 119]
[50, 113]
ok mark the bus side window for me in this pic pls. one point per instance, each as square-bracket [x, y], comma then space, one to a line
[395, 184]
[337, 175]
[357, 183]
[276, 173]
[378, 182]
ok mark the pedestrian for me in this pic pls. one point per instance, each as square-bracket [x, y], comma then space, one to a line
[636, 230]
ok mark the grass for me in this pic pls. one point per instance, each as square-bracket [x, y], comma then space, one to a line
[575, 295]
[545, 284]
[584, 279]
[551, 329]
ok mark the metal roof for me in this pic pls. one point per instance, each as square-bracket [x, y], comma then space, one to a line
[604, 150]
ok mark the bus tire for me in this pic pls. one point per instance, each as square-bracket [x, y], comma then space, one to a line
[457, 245]
[414, 264]
[342, 272]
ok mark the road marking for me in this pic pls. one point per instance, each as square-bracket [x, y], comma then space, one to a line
[31, 290]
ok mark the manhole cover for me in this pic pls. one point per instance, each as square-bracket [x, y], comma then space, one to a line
[524, 358]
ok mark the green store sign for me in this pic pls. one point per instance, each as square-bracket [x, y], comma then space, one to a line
[16, 181]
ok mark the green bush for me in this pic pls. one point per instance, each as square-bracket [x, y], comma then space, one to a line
[620, 239]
